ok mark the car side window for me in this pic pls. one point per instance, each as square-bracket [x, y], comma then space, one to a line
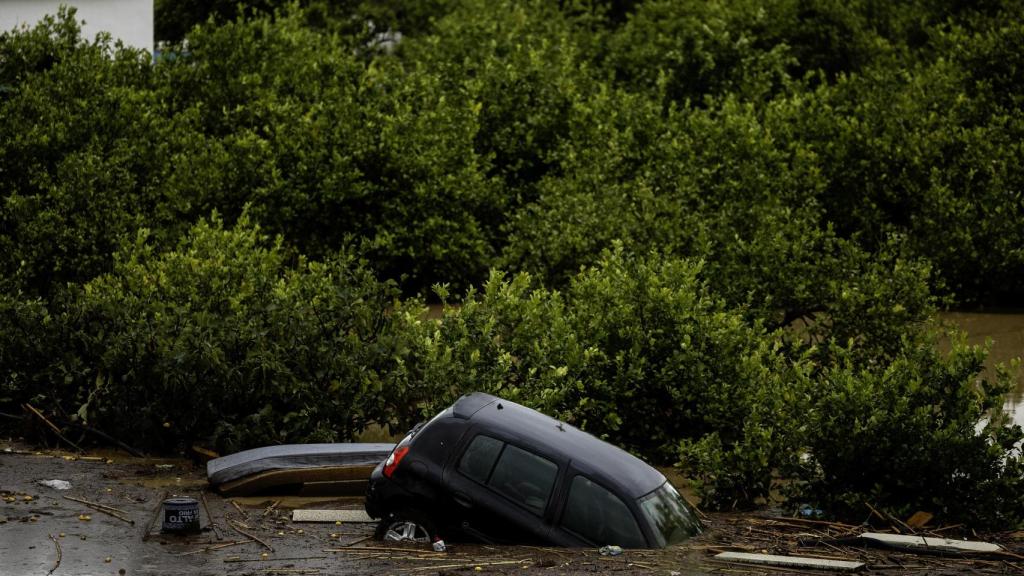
[596, 514]
[478, 459]
[524, 477]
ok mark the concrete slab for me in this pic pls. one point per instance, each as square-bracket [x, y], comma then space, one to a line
[792, 561]
[331, 516]
[910, 542]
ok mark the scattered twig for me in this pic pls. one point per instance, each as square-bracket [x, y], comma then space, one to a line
[56, 430]
[60, 554]
[244, 533]
[270, 508]
[108, 510]
[206, 507]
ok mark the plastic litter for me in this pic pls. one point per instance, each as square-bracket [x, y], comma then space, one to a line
[610, 550]
[56, 484]
[439, 545]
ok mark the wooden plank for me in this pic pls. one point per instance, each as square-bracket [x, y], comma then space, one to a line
[909, 542]
[331, 516]
[792, 561]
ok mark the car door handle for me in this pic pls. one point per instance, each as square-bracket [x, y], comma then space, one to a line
[463, 500]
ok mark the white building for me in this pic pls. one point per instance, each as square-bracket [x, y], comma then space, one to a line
[130, 21]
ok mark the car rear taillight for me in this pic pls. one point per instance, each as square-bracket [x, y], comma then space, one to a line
[392, 462]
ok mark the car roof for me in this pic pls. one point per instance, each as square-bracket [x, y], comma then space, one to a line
[605, 463]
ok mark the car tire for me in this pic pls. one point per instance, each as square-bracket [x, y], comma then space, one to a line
[406, 526]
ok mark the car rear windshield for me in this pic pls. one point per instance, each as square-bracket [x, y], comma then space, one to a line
[669, 515]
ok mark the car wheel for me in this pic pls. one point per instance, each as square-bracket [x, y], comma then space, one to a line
[408, 526]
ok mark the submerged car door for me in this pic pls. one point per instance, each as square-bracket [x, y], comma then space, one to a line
[502, 490]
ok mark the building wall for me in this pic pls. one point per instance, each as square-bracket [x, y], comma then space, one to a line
[130, 21]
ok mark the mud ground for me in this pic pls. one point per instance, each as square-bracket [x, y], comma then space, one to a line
[38, 525]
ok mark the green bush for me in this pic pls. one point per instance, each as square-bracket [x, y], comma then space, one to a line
[636, 350]
[225, 339]
[941, 444]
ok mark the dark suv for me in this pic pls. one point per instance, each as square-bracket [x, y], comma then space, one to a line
[499, 472]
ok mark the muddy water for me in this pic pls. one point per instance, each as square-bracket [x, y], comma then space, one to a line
[1006, 331]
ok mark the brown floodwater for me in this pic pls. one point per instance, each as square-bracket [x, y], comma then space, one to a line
[1006, 333]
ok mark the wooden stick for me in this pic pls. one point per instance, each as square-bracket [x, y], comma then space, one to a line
[60, 555]
[156, 513]
[883, 517]
[56, 430]
[385, 549]
[240, 510]
[460, 566]
[243, 533]
[216, 547]
[108, 510]
[240, 560]
[354, 542]
[216, 532]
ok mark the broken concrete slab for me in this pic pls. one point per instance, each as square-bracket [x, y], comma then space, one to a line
[331, 516]
[922, 543]
[792, 561]
[291, 456]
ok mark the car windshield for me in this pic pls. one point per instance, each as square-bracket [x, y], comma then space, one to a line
[669, 515]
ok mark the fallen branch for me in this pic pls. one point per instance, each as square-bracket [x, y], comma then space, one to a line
[206, 507]
[244, 533]
[60, 555]
[53, 427]
[108, 438]
[108, 510]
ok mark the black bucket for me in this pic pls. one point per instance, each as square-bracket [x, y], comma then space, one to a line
[181, 515]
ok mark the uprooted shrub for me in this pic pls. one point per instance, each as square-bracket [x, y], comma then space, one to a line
[229, 340]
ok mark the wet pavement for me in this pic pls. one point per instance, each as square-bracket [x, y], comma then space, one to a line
[255, 535]
[36, 521]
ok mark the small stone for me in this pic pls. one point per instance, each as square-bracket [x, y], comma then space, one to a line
[264, 555]
[61, 534]
[301, 531]
[84, 517]
[478, 568]
[108, 559]
[27, 498]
